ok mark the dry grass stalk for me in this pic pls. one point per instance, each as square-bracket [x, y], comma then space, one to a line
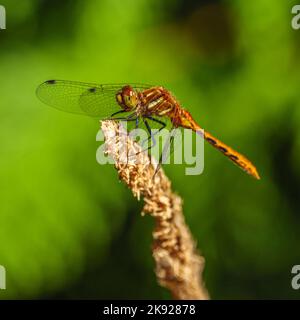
[178, 266]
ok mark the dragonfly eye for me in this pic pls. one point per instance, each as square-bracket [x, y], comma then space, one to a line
[128, 98]
[120, 99]
[128, 101]
[131, 100]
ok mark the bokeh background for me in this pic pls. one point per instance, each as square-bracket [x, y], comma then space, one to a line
[68, 227]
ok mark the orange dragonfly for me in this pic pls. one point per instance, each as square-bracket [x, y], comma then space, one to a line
[138, 102]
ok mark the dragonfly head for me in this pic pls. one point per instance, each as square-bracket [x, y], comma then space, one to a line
[127, 98]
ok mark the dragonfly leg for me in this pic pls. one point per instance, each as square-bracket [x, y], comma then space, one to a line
[131, 117]
[115, 113]
[169, 145]
[163, 124]
[150, 136]
[137, 120]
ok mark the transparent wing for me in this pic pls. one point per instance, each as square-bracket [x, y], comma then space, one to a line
[83, 98]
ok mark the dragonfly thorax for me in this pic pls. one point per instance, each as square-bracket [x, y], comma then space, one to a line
[128, 98]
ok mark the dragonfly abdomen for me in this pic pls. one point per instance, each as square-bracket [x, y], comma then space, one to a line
[240, 160]
[185, 120]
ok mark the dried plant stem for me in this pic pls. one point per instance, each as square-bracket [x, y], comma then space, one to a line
[178, 266]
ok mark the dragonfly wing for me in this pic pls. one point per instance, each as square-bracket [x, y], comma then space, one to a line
[83, 98]
[99, 103]
[63, 95]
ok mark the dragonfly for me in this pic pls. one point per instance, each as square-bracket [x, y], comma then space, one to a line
[132, 102]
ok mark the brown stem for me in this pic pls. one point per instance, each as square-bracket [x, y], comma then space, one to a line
[178, 265]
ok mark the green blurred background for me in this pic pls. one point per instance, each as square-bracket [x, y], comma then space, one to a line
[68, 227]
